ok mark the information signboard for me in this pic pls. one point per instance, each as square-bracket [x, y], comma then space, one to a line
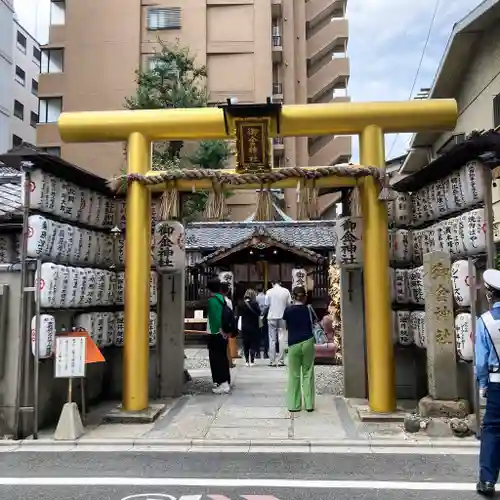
[70, 357]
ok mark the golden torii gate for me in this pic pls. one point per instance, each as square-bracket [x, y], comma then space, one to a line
[370, 121]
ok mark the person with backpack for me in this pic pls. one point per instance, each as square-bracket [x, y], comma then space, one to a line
[220, 325]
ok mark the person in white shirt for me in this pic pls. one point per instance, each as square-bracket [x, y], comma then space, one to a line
[277, 298]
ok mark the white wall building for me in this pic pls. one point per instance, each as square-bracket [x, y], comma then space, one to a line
[470, 73]
[24, 100]
[6, 72]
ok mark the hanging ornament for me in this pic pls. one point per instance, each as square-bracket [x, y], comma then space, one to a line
[169, 207]
[265, 209]
[216, 203]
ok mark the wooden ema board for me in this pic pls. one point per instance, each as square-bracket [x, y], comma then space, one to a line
[92, 352]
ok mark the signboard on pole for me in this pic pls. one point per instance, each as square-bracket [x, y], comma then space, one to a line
[70, 357]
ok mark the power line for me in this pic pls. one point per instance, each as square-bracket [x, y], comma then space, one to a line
[424, 50]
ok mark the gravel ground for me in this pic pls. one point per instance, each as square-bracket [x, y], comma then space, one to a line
[329, 378]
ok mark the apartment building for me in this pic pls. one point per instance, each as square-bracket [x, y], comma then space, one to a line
[6, 71]
[24, 100]
[292, 50]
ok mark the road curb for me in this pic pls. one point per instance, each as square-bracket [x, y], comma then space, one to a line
[238, 445]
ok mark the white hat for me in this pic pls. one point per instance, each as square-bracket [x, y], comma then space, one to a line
[491, 279]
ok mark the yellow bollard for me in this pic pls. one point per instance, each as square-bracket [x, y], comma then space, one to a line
[137, 274]
[380, 349]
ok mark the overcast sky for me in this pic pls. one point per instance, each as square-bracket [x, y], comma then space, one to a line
[386, 42]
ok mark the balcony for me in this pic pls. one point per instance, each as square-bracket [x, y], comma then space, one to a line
[334, 73]
[319, 10]
[276, 8]
[277, 49]
[329, 150]
[278, 146]
[333, 36]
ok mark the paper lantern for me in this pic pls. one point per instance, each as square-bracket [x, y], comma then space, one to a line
[475, 224]
[76, 246]
[416, 285]
[46, 336]
[456, 191]
[98, 326]
[443, 207]
[299, 278]
[461, 282]
[119, 332]
[82, 287]
[68, 243]
[472, 177]
[418, 330]
[169, 253]
[433, 206]
[109, 212]
[392, 280]
[38, 237]
[403, 246]
[99, 210]
[349, 233]
[86, 206]
[394, 323]
[109, 287]
[57, 250]
[120, 215]
[405, 336]
[403, 209]
[463, 330]
[48, 284]
[391, 213]
[99, 297]
[119, 251]
[91, 287]
[109, 329]
[153, 329]
[38, 189]
[72, 294]
[417, 238]
[416, 207]
[153, 288]
[62, 286]
[78, 208]
[120, 288]
[86, 249]
[401, 286]
[460, 227]
[425, 200]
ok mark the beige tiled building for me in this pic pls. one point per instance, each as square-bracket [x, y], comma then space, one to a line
[294, 50]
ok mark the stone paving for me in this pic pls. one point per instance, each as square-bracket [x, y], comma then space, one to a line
[255, 411]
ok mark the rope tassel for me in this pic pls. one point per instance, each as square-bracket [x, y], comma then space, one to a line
[169, 207]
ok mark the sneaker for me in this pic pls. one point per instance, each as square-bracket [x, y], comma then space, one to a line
[222, 389]
[272, 364]
[281, 363]
[247, 364]
[252, 364]
[485, 489]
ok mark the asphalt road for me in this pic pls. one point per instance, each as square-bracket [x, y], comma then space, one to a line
[231, 476]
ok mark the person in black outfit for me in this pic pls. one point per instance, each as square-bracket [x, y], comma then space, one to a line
[250, 326]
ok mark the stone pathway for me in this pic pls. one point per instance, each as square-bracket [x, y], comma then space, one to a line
[255, 411]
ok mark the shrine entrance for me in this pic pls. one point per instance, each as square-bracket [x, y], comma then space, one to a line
[253, 126]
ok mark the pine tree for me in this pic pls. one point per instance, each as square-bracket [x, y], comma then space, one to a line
[176, 81]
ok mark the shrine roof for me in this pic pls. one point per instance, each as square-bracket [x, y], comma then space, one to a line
[204, 236]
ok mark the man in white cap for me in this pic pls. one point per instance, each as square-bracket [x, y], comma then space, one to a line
[487, 369]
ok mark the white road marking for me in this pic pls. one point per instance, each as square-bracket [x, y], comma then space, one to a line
[236, 483]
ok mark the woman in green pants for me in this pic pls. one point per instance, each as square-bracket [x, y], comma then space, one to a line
[300, 352]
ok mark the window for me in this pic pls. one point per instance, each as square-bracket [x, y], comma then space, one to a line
[50, 109]
[496, 111]
[33, 119]
[57, 12]
[37, 55]
[52, 150]
[34, 87]
[164, 19]
[19, 110]
[52, 61]
[16, 140]
[20, 76]
[22, 42]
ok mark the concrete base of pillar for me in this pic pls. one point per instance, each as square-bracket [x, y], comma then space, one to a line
[428, 407]
[119, 416]
[365, 414]
[70, 425]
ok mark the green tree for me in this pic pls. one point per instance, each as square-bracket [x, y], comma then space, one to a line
[175, 81]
